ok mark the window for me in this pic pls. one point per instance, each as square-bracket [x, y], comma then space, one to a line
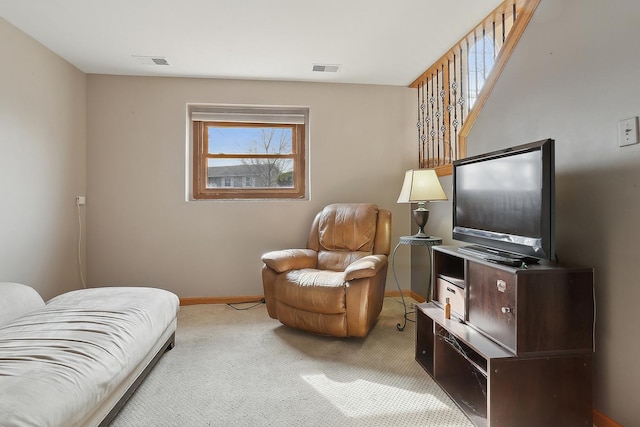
[248, 153]
[481, 59]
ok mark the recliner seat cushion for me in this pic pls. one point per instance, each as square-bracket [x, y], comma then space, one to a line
[328, 296]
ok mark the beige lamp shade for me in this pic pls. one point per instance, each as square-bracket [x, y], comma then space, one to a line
[421, 185]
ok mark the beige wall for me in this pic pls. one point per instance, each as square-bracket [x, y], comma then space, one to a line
[143, 232]
[573, 76]
[42, 164]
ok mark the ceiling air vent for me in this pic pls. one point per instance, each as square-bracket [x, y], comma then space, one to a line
[151, 60]
[160, 61]
[324, 68]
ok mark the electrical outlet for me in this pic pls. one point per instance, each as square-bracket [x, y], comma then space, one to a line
[81, 200]
[628, 132]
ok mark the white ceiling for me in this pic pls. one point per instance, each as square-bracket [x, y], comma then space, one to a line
[389, 42]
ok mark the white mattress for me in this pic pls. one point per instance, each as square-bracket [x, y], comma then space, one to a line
[59, 363]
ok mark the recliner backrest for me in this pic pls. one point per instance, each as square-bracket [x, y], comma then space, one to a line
[343, 233]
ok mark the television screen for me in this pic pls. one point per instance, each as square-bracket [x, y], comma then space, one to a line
[504, 200]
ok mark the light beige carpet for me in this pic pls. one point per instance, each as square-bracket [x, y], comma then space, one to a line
[242, 368]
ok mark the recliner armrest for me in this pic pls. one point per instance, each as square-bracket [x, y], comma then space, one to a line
[290, 259]
[367, 266]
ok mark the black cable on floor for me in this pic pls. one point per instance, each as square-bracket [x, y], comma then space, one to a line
[255, 304]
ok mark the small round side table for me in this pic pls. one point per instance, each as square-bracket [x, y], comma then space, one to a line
[413, 241]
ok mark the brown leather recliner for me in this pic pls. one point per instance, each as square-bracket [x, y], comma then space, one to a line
[336, 285]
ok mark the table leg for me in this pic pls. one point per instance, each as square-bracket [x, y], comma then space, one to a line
[404, 304]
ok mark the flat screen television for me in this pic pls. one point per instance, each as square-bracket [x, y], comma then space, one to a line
[504, 201]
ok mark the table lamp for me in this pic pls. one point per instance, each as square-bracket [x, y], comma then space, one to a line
[421, 186]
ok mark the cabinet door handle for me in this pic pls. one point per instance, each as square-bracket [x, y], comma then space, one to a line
[506, 310]
[451, 290]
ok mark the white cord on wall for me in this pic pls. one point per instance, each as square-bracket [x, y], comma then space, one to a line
[84, 285]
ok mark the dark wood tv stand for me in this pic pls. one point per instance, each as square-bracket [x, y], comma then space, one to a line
[518, 348]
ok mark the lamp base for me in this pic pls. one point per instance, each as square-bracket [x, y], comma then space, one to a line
[421, 235]
[421, 215]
